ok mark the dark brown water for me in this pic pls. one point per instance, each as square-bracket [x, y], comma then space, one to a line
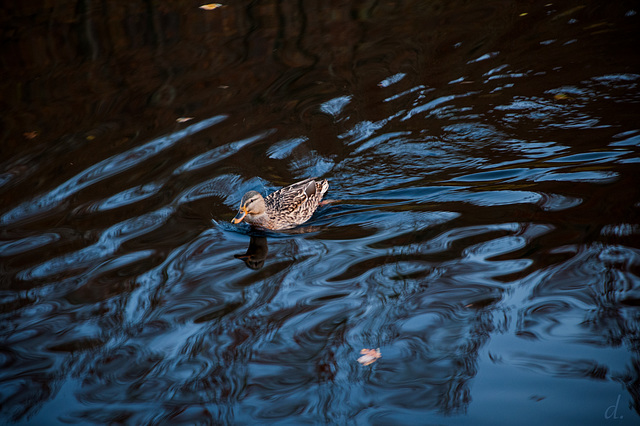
[486, 156]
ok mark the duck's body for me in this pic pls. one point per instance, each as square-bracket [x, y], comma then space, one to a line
[285, 208]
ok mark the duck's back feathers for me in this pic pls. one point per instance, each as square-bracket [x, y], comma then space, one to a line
[295, 204]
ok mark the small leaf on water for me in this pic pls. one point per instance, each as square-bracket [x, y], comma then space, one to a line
[184, 119]
[211, 6]
[561, 96]
[30, 135]
[369, 356]
[90, 137]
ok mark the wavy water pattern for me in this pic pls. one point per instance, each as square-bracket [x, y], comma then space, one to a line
[101, 171]
[108, 243]
[218, 154]
[480, 229]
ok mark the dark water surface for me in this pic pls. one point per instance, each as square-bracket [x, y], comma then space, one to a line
[486, 156]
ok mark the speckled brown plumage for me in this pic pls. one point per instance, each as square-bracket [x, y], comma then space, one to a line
[285, 208]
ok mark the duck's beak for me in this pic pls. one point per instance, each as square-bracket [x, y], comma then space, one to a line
[241, 214]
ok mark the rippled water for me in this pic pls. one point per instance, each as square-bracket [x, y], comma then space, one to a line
[485, 158]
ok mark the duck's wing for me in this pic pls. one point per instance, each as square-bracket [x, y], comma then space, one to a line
[297, 197]
[292, 197]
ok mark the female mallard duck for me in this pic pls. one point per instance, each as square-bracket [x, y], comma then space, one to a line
[285, 208]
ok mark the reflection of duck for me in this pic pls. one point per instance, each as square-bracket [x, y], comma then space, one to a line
[285, 208]
[256, 253]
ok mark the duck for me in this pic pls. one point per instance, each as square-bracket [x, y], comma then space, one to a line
[286, 208]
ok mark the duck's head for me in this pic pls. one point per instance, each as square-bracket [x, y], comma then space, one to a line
[252, 204]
